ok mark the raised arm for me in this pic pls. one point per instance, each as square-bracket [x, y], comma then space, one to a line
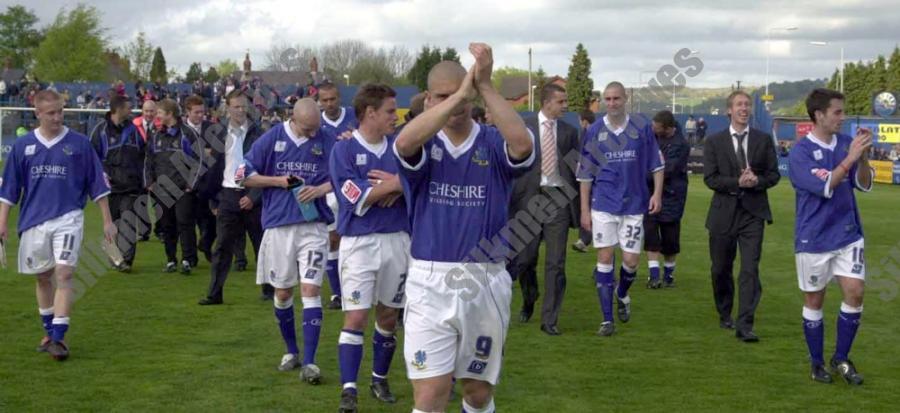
[428, 123]
[508, 122]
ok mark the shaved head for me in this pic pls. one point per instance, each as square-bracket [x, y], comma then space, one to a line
[446, 71]
[148, 105]
[306, 116]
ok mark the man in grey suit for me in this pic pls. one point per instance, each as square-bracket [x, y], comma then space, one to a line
[555, 183]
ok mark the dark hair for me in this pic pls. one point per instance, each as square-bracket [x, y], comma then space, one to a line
[478, 114]
[329, 86]
[665, 118]
[587, 115]
[548, 90]
[820, 99]
[371, 94]
[117, 103]
[191, 101]
[736, 93]
[236, 93]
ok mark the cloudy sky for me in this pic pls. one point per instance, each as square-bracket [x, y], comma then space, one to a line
[623, 37]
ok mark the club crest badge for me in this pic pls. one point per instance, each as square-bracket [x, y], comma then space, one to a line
[419, 360]
[437, 153]
[481, 156]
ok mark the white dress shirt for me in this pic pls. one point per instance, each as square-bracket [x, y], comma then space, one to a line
[553, 179]
[234, 154]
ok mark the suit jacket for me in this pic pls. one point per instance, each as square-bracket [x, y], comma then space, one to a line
[213, 178]
[721, 173]
[529, 185]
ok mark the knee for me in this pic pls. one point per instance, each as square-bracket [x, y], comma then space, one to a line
[605, 255]
[309, 290]
[283, 295]
[630, 260]
[355, 320]
[386, 319]
[477, 393]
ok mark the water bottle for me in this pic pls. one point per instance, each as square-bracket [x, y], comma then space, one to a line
[307, 209]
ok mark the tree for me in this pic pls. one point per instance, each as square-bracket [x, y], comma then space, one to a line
[194, 73]
[226, 67]
[139, 53]
[893, 76]
[18, 37]
[74, 48]
[158, 72]
[212, 75]
[500, 73]
[427, 58]
[450, 54]
[579, 85]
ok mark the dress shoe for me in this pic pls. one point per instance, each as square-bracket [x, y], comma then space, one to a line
[550, 330]
[746, 336]
[209, 301]
[524, 316]
[726, 324]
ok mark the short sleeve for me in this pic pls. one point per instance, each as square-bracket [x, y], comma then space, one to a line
[12, 181]
[588, 162]
[254, 160]
[655, 161]
[511, 166]
[806, 175]
[351, 189]
[98, 181]
[413, 168]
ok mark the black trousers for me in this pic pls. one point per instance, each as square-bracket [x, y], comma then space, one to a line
[125, 212]
[206, 223]
[231, 224]
[746, 233]
[177, 223]
[555, 232]
[147, 221]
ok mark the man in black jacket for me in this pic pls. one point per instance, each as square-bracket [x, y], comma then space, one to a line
[739, 164]
[172, 172]
[195, 110]
[121, 149]
[555, 182]
[662, 231]
[237, 210]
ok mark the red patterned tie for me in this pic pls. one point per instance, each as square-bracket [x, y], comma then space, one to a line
[548, 149]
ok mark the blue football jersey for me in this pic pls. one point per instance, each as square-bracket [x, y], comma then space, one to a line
[279, 152]
[52, 178]
[827, 219]
[351, 162]
[458, 196]
[618, 166]
[346, 121]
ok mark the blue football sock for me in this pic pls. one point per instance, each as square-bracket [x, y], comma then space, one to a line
[334, 279]
[847, 325]
[626, 278]
[605, 281]
[47, 319]
[814, 331]
[59, 327]
[654, 269]
[383, 346]
[284, 312]
[350, 353]
[669, 271]
[312, 328]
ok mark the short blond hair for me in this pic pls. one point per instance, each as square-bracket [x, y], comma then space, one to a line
[46, 95]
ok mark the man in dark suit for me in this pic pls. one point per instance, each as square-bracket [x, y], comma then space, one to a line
[236, 209]
[555, 181]
[739, 164]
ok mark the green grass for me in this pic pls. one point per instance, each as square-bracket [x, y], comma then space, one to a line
[141, 343]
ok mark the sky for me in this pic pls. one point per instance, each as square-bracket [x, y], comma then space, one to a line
[623, 38]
